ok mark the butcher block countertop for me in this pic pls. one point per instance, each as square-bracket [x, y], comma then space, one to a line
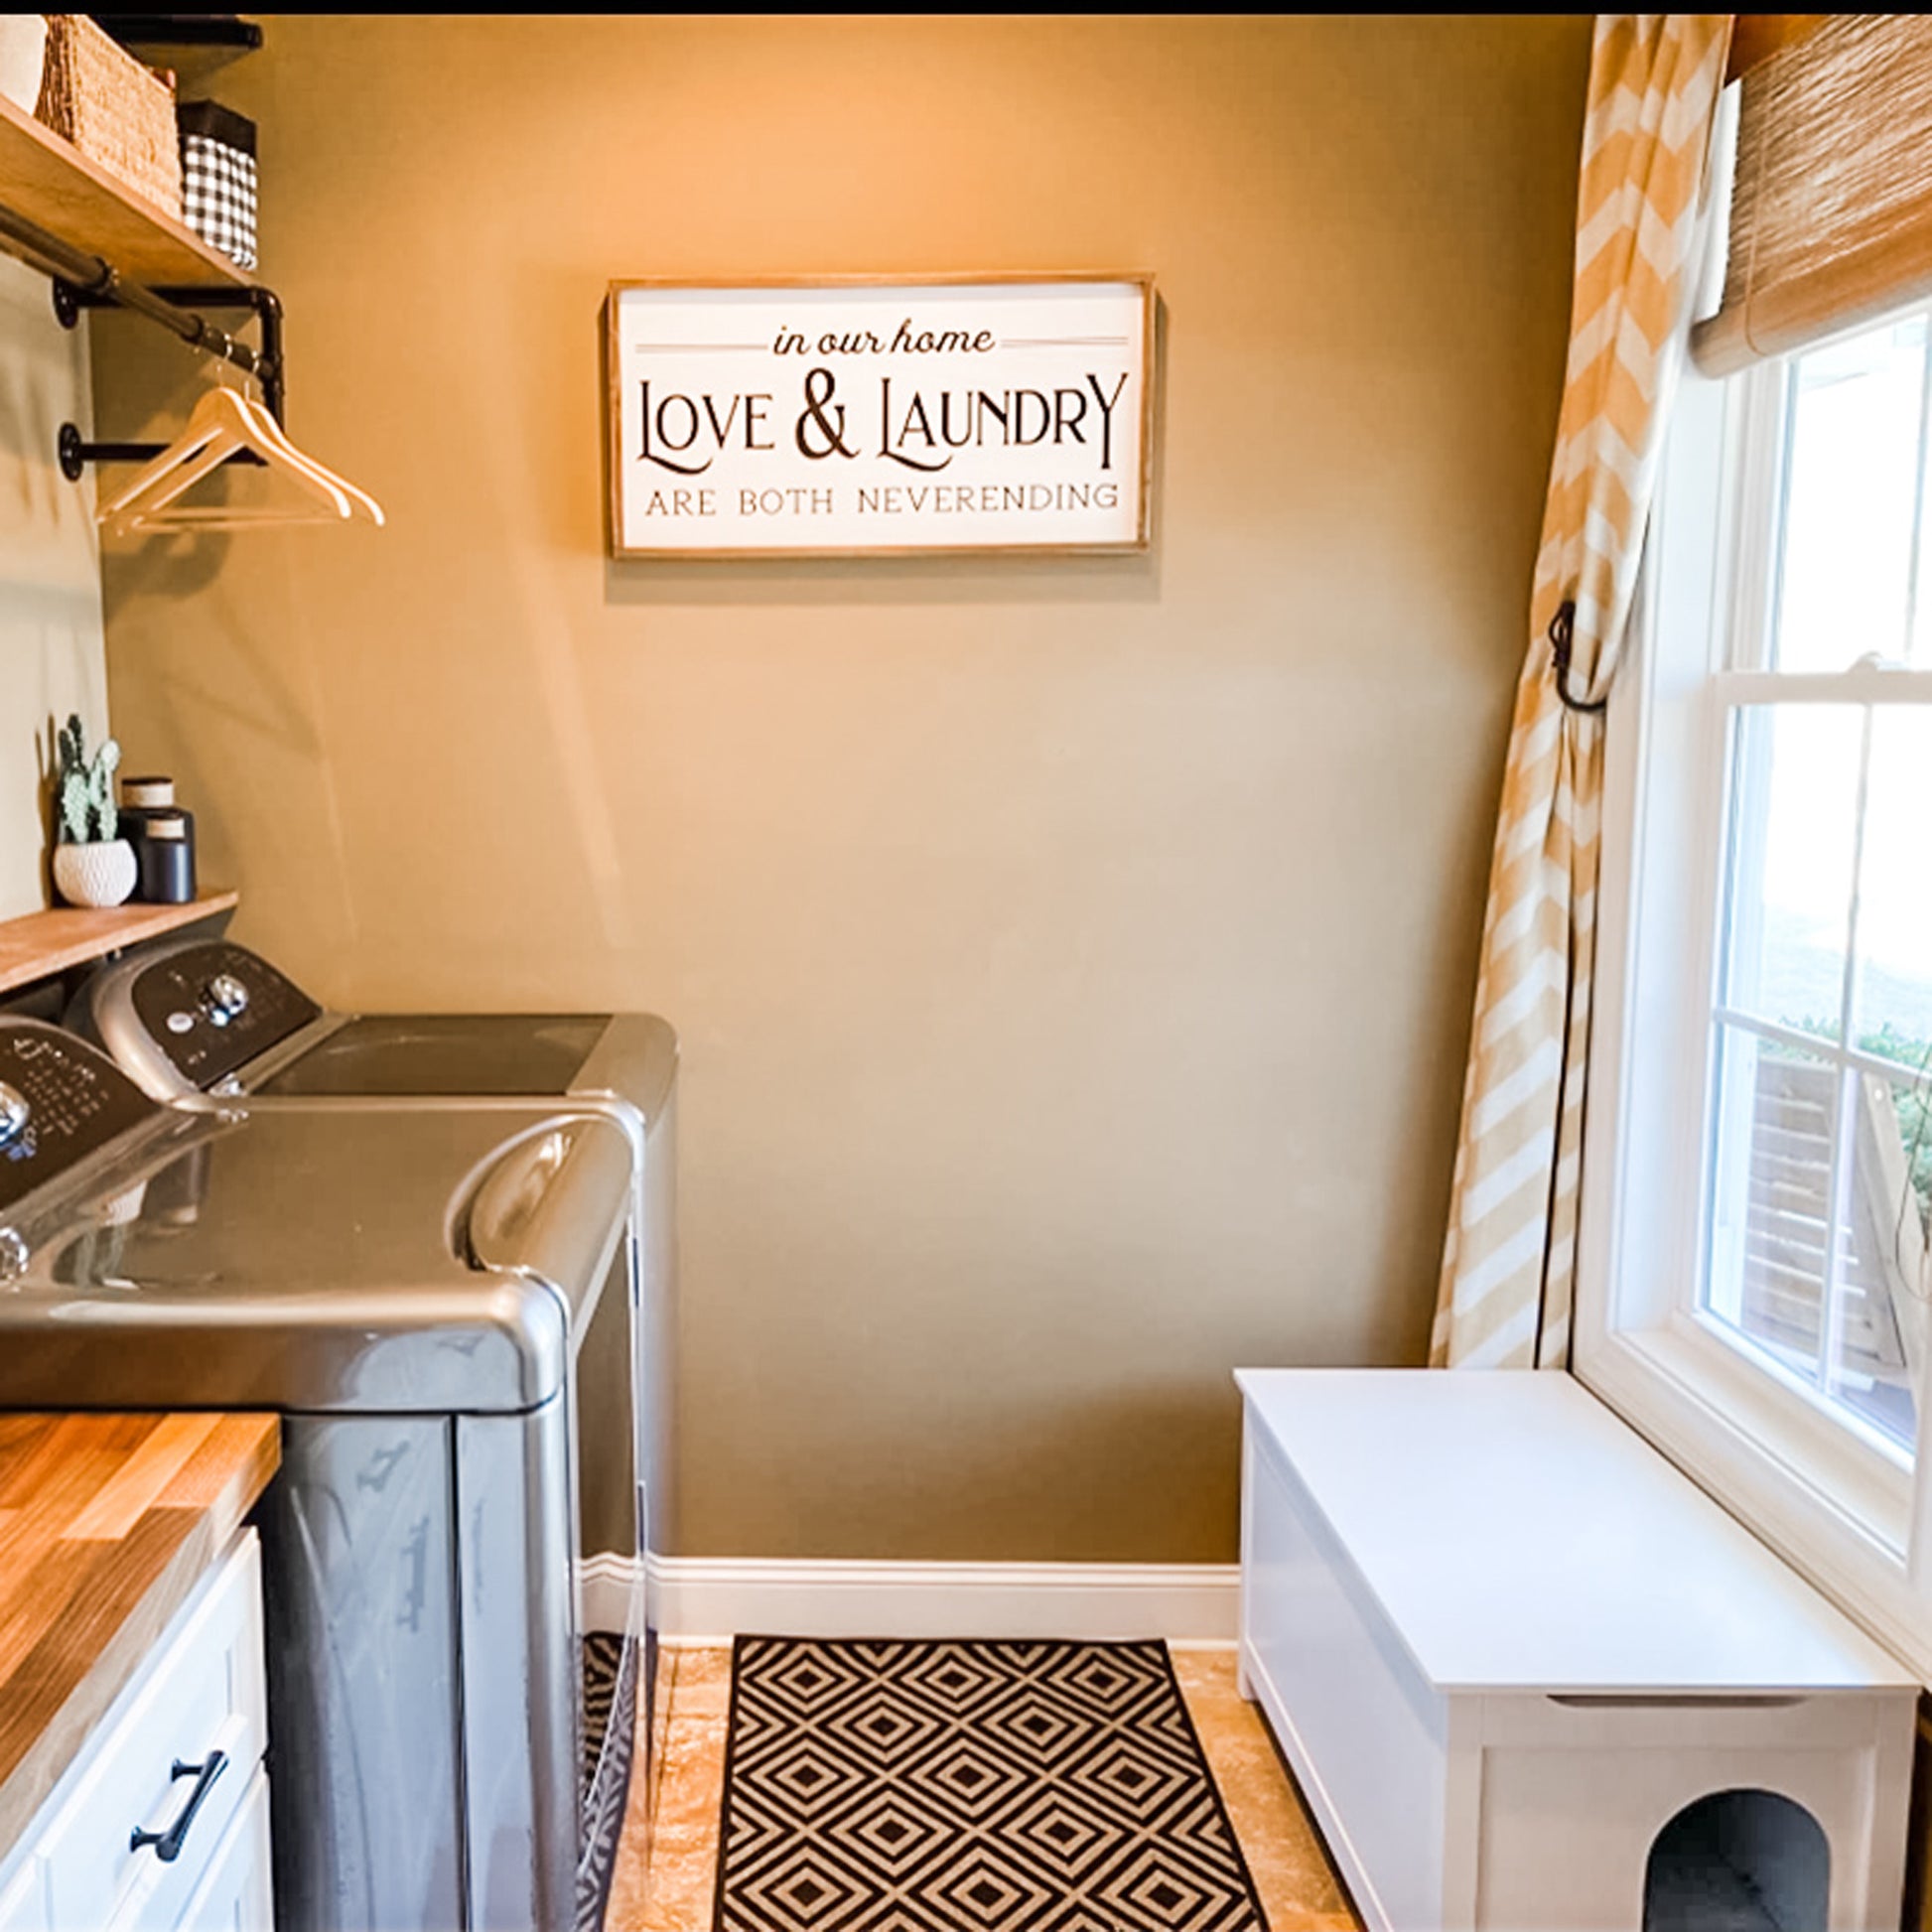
[106, 1524]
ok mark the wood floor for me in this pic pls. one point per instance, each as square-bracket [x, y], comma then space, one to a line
[669, 1888]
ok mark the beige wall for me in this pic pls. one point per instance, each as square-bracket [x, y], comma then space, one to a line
[52, 659]
[1073, 959]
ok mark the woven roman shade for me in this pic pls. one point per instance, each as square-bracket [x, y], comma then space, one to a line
[1831, 213]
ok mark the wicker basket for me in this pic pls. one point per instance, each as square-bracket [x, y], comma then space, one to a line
[116, 112]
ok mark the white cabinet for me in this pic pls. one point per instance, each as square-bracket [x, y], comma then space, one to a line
[23, 1904]
[235, 1893]
[1532, 1680]
[162, 1822]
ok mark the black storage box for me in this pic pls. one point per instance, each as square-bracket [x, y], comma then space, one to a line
[218, 178]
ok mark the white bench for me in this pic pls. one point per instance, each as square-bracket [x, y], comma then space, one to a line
[1511, 1652]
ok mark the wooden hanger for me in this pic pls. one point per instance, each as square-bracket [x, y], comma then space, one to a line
[273, 432]
[221, 423]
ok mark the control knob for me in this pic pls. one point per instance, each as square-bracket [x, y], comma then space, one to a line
[225, 998]
[14, 1114]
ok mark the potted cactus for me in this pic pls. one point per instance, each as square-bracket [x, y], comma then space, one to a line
[92, 866]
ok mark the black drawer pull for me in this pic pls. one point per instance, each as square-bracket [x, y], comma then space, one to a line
[167, 1844]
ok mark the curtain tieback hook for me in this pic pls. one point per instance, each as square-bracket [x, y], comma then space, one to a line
[1562, 628]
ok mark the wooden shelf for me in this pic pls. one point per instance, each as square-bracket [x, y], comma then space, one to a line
[44, 943]
[49, 182]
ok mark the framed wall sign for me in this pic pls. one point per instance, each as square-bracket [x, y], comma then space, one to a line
[858, 418]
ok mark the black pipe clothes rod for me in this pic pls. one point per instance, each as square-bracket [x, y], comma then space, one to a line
[82, 281]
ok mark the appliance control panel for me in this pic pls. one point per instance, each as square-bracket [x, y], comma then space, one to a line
[59, 1101]
[213, 1009]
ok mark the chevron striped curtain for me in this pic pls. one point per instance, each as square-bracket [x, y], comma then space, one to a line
[1510, 1258]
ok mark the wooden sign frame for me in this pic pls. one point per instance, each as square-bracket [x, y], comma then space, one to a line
[747, 413]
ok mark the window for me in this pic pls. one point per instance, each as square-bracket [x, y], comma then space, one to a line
[1754, 1289]
[1814, 1220]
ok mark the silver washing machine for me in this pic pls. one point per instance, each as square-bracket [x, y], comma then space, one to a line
[189, 1019]
[184, 1017]
[438, 1302]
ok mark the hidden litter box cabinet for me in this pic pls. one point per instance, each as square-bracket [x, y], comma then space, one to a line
[1531, 1679]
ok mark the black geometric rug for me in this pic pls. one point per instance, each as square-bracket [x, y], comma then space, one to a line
[609, 1666]
[899, 1786]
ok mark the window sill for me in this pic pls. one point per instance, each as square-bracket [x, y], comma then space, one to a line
[1837, 1510]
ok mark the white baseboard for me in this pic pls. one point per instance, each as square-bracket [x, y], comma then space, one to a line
[610, 1582]
[697, 1599]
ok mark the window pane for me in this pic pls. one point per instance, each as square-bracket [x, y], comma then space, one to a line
[1850, 499]
[1772, 1196]
[1912, 1105]
[1793, 842]
[1817, 1257]
[1881, 1310]
[1894, 932]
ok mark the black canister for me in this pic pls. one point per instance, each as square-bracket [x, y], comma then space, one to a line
[164, 858]
[139, 798]
[142, 802]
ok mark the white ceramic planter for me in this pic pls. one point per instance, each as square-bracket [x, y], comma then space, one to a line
[23, 54]
[101, 874]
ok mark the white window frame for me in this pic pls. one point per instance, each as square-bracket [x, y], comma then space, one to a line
[1843, 1505]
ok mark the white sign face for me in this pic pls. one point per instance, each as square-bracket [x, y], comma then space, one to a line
[860, 418]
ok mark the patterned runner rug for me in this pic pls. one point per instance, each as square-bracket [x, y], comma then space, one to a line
[609, 1665]
[970, 1787]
